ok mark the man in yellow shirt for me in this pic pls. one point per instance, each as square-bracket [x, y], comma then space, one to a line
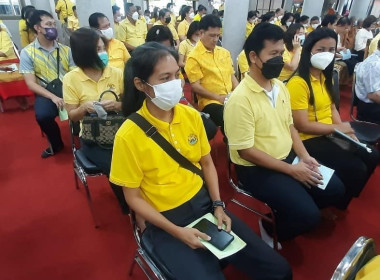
[173, 21]
[314, 23]
[250, 23]
[132, 31]
[210, 70]
[64, 9]
[202, 11]
[164, 18]
[73, 21]
[116, 19]
[373, 45]
[263, 142]
[279, 13]
[117, 52]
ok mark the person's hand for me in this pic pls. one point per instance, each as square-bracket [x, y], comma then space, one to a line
[2, 54]
[190, 236]
[311, 162]
[345, 127]
[296, 42]
[302, 173]
[353, 136]
[111, 105]
[222, 218]
[88, 107]
[58, 102]
[222, 98]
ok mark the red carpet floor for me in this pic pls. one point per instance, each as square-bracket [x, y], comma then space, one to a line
[46, 231]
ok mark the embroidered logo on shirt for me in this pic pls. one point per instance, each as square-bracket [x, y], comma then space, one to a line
[193, 139]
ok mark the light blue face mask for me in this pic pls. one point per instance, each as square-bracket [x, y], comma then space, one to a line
[104, 58]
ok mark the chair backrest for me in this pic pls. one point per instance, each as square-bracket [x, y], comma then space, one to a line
[366, 50]
[354, 98]
[336, 88]
[362, 251]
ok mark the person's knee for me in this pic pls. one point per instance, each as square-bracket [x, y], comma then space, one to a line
[43, 116]
[284, 270]
[310, 218]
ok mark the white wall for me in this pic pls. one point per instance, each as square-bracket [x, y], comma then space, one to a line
[360, 8]
[312, 8]
[85, 8]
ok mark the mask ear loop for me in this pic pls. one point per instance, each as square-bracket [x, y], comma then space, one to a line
[145, 82]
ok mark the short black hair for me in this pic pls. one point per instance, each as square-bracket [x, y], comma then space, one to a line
[278, 10]
[329, 19]
[162, 13]
[169, 4]
[201, 8]
[184, 11]
[138, 8]
[209, 21]
[160, 33]
[369, 21]
[343, 21]
[36, 18]
[93, 20]
[115, 8]
[127, 6]
[83, 43]
[251, 14]
[25, 10]
[303, 18]
[262, 32]
[194, 27]
[286, 17]
[266, 17]
[221, 13]
[314, 18]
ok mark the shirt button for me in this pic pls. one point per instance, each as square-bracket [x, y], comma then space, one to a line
[172, 135]
[178, 150]
[175, 142]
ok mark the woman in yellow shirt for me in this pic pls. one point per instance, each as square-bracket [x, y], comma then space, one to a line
[293, 39]
[27, 35]
[251, 18]
[186, 46]
[84, 85]
[316, 117]
[187, 15]
[167, 195]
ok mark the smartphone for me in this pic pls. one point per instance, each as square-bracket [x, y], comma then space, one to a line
[219, 238]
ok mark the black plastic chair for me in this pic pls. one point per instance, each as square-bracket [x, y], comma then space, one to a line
[83, 168]
[361, 252]
[366, 132]
[152, 267]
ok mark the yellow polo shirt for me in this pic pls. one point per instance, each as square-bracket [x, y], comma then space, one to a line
[370, 271]
[138, 162]
[287, 57]
[250, 120]
[171, 28]
[185, 47]
[173, 21]
[6, 46]
[373, 45]
[243, 64]
[118, 54]
[78, 88]
[197, 17]
[248, 29]
[116, 27]
[132, 34]
[26, 35]
[299, 96]
[309, 29]
[65, 8]
[213, 69]
[183, 27]
[73, 23]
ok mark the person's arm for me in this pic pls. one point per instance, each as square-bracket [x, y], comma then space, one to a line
[77, 112]
[235, 82]
[181, 60]
[129, 46]
[293, 64]
[182, 37]
[7, 45]
[374, 96]
[189, 236]
[199, 89]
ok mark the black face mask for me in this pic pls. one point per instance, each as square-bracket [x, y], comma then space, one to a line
[272, 67]
[167, 20]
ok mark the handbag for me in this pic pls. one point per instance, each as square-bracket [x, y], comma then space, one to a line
[151, 132]
[55, 86]
[102, 131]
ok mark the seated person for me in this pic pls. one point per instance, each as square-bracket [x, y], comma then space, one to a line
[304, 20]
[165, 19]
[118, 53]
[201, 12]
[168, 196]
[367, 88]
[286, 21]
[210, 70]
[363, 35]
[162, 35]
[314, 23]
[315, 115]
[263, 142]
[186, 46]
[12, 83]
[251, 19]
[329, 21]
[293, 39]
[26, 32]
[84, 85]
[73, 21]
[187, 15]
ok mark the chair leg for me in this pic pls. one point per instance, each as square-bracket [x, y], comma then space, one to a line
[133, 264]
[89, 200]
[76, 179]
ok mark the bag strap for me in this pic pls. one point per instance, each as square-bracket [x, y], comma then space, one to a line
[44, 81]
[152, 133]
[109, 91]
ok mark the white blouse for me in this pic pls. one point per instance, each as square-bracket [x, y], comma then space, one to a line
[361, 39]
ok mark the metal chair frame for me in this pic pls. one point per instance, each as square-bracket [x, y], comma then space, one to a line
[81, 174]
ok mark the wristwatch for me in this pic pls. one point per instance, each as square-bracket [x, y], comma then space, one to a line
[217, 203]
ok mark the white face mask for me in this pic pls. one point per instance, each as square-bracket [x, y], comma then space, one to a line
[272, 22]
[147, 19]
[135, 16]
[108, 33]
[305, 26]
[288, 23]
[280, 17]
[322, 60]
[118, 19]
[167, 95]
[315, 25]
[191, 15]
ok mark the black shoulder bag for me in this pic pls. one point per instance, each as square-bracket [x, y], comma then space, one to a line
[55, 86]
[151, 132]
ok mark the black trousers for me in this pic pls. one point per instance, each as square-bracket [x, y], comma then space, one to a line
[257, 259]
[102, 159]
[353, 168]
[216, 114]
[296, 207]
[369, 112]
[46, 112]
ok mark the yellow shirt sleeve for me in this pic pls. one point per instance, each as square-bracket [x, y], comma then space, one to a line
[122, 32]
[182, 48]
[193, 70]
[6, 45]
[299, 93]
[126, 54]
[243, 63]
[174, 32]
[70, 95]
[286, 56]
[182, 29]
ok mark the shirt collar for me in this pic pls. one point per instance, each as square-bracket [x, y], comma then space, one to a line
[106, 74]
[202, 48]
[159, 124]
[39, 46]
[314, 79]
[256, 88]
